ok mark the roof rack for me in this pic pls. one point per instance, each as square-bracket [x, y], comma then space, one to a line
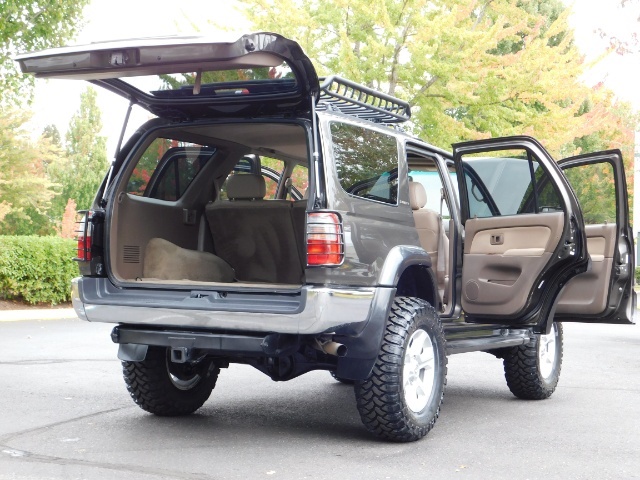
[363, 102]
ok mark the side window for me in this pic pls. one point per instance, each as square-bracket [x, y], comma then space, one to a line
[366, 162]
[595, 188]
[272, 172]
[510, 182]
[167, 168]
[299, 182]
[427, 174]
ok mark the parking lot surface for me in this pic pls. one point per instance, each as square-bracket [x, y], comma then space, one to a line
[66, 415]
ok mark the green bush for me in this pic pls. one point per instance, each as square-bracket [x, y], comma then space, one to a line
[637, 275]
[37, 269]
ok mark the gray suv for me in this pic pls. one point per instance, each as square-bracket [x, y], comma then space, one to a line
[268, 217]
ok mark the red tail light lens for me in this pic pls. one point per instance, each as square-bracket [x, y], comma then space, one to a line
[84, 237]
[325, 239]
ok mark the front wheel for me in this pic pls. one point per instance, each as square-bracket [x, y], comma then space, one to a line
[401, 398]
[533, 370]
[165, 388]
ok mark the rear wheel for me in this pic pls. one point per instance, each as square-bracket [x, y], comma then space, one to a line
[401, 398]
[533, 370]
[165, 388]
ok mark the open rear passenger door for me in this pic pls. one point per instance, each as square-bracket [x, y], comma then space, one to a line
[524, 234]
[605, 293]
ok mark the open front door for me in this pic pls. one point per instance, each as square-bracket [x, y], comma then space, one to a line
[605, 293]
[524, 234]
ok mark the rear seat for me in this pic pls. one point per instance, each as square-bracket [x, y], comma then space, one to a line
[255, 236]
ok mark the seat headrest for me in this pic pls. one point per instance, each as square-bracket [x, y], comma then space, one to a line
[246, 186]
[417, 195]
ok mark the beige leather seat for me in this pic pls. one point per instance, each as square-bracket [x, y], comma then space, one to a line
[431, 234]
[255, 236]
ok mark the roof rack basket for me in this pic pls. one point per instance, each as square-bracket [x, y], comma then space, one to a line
[363, 102]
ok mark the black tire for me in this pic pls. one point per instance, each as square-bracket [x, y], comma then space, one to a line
[385, 401]
[164, 388]
[346, 381]
[530, 373]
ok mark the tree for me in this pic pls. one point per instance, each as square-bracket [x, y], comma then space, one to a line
[80, 172]
[469, 69]
[25, 192]
[32, 25]
[51, 132]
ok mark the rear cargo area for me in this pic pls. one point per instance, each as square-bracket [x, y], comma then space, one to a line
[212, 204]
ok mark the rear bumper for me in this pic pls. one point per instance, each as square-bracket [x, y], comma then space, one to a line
[309, 310]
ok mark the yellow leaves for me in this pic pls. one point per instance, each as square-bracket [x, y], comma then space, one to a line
[23, 183]
[470, 69]
[5, 208]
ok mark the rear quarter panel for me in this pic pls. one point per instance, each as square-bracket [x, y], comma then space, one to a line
[371, 228]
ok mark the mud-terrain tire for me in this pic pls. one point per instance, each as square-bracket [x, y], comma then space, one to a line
[164, 388]
[400, 400]
[346, 381]
[533, 370]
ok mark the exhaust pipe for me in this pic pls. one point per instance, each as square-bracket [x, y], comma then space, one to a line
[332, 348]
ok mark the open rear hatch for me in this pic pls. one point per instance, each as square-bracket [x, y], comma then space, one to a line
[158, 206]
[183, 78]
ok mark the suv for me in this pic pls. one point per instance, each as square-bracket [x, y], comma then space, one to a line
[275, 219]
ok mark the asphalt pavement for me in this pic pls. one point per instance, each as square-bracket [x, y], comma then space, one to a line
[67, 415]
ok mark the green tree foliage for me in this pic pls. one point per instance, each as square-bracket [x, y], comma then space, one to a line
[25, 191]
[80, 172]
[51, 132]
[37, 269]
[469, 69]
[29, 25]
[595, 189]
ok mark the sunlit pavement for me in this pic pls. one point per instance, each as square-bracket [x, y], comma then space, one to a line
[67, 415]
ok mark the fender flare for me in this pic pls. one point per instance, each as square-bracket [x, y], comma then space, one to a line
[364, 349]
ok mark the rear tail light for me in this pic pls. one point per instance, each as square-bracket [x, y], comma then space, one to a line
[84, 232]
[325, 239]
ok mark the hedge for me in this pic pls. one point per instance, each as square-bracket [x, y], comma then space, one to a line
[37, 269]
[637, 275]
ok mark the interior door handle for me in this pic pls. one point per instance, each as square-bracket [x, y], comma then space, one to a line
[497, 239]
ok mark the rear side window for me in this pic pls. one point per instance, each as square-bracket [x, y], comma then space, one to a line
[511, 182]
[596, 191]
[366, 162]
[167, 168]
[299, 182]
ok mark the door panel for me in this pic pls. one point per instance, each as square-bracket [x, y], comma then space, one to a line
[587, 293]
[605, 293]
[524, 233]
[503, 258]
